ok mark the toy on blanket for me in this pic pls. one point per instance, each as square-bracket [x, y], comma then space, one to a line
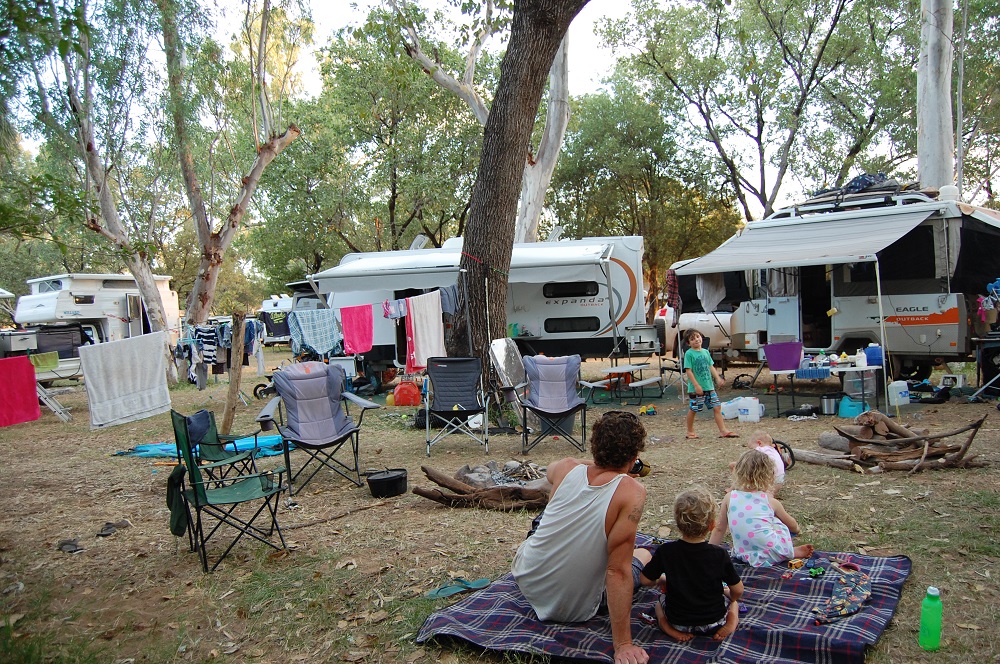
[852, 590]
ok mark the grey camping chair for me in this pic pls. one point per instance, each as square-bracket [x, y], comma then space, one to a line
[552, 396]
[455, 399]
[314, 398]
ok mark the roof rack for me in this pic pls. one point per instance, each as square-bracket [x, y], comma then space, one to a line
[837, 200]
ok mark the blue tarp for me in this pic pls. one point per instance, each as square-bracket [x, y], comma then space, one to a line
[269, 446]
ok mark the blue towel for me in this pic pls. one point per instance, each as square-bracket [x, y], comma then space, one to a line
[269, 446]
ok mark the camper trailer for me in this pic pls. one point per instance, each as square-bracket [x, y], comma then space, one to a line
[900, 269]
[274, 315]
[564, 297]
[65, 311]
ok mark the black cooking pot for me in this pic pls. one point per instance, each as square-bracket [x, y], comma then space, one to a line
[387, 483]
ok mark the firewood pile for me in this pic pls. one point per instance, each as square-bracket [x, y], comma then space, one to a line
[876, 443]
[493, 490]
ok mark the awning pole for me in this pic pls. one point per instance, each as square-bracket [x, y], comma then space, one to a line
[881, 325]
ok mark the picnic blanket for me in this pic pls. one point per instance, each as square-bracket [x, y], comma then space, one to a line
[779, 626]
[268, 446]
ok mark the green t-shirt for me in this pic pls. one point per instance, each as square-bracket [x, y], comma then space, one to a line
[700, 363]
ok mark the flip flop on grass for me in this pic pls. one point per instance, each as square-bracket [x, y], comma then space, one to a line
[457, 585]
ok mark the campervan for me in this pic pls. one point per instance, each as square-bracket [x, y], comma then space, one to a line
[273, 314]
[902, 269]
[563, 297]
[65, 311]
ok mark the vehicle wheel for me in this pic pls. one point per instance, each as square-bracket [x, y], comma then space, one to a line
[914, 371]
[661, 334]
[260, 390]
[743, 382]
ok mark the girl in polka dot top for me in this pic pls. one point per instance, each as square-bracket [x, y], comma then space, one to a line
[762, 529]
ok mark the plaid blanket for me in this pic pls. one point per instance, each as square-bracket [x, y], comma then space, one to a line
[779, 626]
[313, 330]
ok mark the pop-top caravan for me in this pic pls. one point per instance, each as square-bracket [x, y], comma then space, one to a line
[902, 269]
[65, 311]
[564, 297]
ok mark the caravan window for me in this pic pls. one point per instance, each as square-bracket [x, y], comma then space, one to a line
[570, 289]
[580, 324]
[83, 299]
[50, 286]
[120, 284]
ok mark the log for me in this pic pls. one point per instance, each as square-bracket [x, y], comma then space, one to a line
[503, 498]
[842, 461]
[447, 481]
[877, 420]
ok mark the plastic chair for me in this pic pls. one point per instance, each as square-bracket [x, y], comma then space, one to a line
[314, 399]
[223, 500]
[455, 398]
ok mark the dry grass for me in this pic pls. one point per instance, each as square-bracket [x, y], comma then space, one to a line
[352, 587]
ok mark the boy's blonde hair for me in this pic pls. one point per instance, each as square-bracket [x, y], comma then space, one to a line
[759, 438]
[694, 512]
[754, 471]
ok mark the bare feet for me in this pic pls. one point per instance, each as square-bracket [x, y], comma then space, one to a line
[803, 551]
[732, 620]
[669, 629]
[691, 434]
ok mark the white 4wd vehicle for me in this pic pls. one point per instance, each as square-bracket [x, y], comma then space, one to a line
[713, 326]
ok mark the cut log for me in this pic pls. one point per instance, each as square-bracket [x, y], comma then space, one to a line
[505, 498]
[842, 461]
[877, 421]
[447, 481]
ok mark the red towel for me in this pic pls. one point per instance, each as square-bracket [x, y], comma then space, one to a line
[358, 330]
[18, 398]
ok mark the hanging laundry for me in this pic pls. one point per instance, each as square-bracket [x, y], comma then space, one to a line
[116, 391]
[449, 299]
[17, 391]
[424, 329]
[314, 331]
[358, 328]
[394, 309]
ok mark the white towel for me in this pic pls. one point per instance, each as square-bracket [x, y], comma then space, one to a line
[126, 380]
[428, 328]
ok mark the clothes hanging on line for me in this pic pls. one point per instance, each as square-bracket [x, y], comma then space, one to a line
[358, 328]
[425, 330]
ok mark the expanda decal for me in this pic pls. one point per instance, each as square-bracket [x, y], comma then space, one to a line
[582, 301]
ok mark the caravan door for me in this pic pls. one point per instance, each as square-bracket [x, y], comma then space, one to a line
[783, 294]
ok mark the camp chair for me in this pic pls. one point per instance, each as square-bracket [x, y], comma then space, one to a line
[210, 449]
[223, 500]
[314, 398]
[455, 397]
[552, 397]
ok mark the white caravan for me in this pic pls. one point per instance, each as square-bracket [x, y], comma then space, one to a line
[65, 311]
[563, 297]
[899, 268]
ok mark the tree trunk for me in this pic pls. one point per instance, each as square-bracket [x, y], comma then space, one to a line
[935, 159]
[235, 373]
[537, 29]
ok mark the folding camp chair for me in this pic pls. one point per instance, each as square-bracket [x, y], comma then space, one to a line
[214, 457]
[228, 502]
[455, 398]
[314, 397]
[552, 396]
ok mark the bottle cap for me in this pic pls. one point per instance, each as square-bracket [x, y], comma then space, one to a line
[933, 591]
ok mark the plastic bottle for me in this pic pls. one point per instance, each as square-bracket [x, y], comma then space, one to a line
[930, 620]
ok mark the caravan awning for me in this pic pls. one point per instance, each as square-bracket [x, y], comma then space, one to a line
[822, 239]
[437, 268]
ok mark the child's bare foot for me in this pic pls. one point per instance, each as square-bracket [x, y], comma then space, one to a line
[732, 620]
[803, 551]
[668, 629]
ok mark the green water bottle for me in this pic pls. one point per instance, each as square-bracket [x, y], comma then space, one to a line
[930, 620]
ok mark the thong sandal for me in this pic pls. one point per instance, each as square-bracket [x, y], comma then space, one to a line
[692, 436]
[457, 585]
[729, 434]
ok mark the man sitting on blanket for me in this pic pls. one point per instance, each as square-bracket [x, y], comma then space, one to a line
[587, 531]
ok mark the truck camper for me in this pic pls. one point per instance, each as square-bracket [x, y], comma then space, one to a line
[563, 297]
[903, 269]
[65, 311]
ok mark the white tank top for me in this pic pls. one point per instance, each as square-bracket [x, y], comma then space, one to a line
[561, 568]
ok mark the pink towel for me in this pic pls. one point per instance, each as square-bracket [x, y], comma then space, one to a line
[17, 391]
[357, 324]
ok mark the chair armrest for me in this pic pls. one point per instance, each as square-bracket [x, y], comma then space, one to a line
[266, 416]
[358, 401]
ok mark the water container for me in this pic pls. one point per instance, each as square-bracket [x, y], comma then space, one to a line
[874, 355]
[406, 394]
[750, 410]
[861, 358]
[930, 620]
[899, 393]
[731, 408]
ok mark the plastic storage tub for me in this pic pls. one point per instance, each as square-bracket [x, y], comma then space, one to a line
[783, 356]
[851, 407]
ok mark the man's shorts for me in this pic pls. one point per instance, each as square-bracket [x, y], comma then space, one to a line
[637, 566]
[709, 400]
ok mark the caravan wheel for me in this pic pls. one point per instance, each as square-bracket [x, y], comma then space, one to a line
[911, 370]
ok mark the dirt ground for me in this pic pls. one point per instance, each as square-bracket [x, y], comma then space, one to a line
[351, 588]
